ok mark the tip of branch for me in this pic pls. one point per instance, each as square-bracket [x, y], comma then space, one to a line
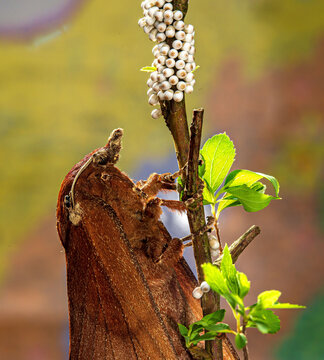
[256, 229]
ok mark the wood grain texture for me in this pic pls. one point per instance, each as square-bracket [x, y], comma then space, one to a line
[128, 284]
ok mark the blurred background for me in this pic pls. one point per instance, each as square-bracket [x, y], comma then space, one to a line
[69, 74]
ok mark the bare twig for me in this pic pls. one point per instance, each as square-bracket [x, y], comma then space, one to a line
[245, 349]
[196, 218]
[176, 120]
[240, 244]
[218, 235]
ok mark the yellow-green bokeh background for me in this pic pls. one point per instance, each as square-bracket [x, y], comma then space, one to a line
[61, 97]
[64, 89]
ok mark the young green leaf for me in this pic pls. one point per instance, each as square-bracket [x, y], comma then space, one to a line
[183, 330]
[196, 68]
[286, 306]
[212, 318]
[251, 200]
[267, 298]
[208, 195]
[218, 284]
[248, 178]
[241, 177]
[217, 327]
[180, 187]
[226, 202]
[202, 167]
[229, 200]
[219, 154]
[148, 68]
[194, 328]
[265, 320]
[273, 181]
[240, 340]
[259, 187]
[243, 283]
[208, 336]
[215, 279]
[228, 271]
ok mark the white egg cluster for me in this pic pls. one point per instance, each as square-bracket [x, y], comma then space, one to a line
[199, 291]
[214, 246]
[174, 54]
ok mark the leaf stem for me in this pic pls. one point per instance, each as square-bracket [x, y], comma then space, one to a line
[218, 235]
[238, 322]
[213, 207]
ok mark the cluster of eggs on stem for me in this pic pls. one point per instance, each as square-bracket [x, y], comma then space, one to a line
[174, 63]
[199, 291]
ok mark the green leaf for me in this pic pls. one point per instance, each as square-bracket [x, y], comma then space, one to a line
[212, 318]
[235, 299]
[207, 336]
[240, 340]
[183, 330]
[148, 68]
[243, 283]
[265, 320]
[218, 284]
[217, 327]
[251, 200]
[250, 324]
[181, 187]
[229, 200]
[215, 279]
[194, 328]
[196, 68]
[268, 298]
[219, 153]
[273, 181]
[228, 271]
[286, 306]
[241, 177]
[248, 178]
[259, 187]
[226, 202]
[208, 195]
[202, 167]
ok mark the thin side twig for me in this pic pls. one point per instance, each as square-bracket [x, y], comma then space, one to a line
[218, 236]
[245, 349]
[241, 244]
[176, 120]
[196, 219]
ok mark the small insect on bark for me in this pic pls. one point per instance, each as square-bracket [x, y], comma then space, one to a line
[128, 284]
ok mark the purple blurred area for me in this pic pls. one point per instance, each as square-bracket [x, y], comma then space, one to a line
[25, 19]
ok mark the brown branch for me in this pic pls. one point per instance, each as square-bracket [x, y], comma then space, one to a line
[245, 349]
[176, 120]
[195, 211]
[241, 244]
[196, 218]
[194, 149]
[218, 235]
[181, 5]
